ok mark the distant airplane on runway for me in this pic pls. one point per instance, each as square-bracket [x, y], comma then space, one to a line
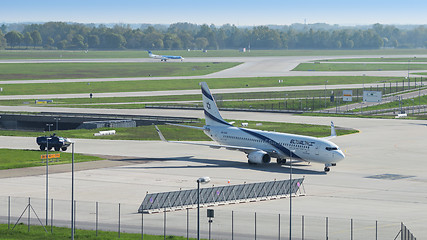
[164, 57]
[261, 146]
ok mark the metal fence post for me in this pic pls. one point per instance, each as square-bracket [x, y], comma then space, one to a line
[164, 224]
[96, 219]
[279, 227]
[232, 225]
[302, 227]
[188, 223]
[119, 221]
[51, 215]
[327, 228]
[351, 229]
[255, 225]
[142, 225]
[29, 211]
[75, 215]
[8, 213]
[376, 230]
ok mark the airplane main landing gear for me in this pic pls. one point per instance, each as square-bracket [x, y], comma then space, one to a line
[281, 161]
[327, 169]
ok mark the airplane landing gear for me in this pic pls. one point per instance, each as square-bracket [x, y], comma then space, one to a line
[281, 161]
[327, 169]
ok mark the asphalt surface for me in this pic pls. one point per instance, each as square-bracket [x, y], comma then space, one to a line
[383, 147]
[382, 178]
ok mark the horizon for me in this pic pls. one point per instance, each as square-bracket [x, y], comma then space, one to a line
[238, 13]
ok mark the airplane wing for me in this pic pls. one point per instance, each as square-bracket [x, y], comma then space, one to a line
[333, 132]
[216, 146]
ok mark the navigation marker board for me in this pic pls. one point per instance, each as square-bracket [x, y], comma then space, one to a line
[372, 96]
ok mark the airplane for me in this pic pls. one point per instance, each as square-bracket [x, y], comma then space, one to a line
[260, 146]
[163, 57]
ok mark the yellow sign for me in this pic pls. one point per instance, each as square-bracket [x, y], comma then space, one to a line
[56, 155]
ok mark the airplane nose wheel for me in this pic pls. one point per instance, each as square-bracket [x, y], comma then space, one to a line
[327, 169]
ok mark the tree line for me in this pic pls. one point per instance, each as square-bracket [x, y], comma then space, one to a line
[61, 35]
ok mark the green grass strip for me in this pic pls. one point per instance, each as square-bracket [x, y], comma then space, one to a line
[403, 59]
[179, 133]
[58, 233]
[182, 84]
[15, 158]
[26, 71]
[357, 67]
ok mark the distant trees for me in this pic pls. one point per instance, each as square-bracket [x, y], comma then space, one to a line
[2, 40]
[28, 40]
[37, 39]
[13, 38]
[191, 36]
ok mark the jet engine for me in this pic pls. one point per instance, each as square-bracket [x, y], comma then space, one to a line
[259, 157]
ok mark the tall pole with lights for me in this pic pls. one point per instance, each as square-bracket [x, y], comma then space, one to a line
[47, 178]
[72, 191]
[290, 195]
[200, 180]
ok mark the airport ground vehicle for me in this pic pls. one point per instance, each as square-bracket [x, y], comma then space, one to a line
[53, 142]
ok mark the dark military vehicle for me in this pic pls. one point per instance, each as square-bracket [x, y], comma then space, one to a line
[55, 142]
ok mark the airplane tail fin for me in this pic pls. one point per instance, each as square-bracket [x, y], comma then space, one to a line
[149, 53]
[333, 132]
[212, 115]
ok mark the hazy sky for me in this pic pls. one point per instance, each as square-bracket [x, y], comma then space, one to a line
[218, 12]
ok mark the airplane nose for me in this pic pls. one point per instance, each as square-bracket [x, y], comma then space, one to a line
[339, 155]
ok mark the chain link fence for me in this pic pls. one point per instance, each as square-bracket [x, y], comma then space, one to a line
[226, 224]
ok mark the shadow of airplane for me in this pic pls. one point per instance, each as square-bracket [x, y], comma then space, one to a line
[215, 163]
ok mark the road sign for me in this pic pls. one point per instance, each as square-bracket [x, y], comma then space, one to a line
[55, 155]
[347, 95]
[372, 96]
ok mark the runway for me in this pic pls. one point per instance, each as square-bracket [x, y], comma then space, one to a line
[383, 147]
[382, 178]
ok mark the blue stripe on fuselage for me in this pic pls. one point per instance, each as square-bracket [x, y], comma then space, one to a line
[271, 142]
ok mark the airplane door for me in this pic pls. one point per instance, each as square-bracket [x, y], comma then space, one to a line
[316, 150]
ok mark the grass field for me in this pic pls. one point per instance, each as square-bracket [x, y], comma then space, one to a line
[13, 71]
[395, 104]
[357, 67]
[182, 84]
[45, 54]
[13, 158]
[179, 133]
[383, 59]
[60, 233]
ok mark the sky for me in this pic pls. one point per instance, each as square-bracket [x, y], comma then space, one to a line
[218, 12]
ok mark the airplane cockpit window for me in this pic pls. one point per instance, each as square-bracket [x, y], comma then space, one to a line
[331, 148]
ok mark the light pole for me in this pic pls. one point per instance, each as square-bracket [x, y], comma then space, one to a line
[57, 119]
[408, 68]
[325, 91]
[47, 178]
[72, 191]
[202, 180]
[290, 195]
[49, 125]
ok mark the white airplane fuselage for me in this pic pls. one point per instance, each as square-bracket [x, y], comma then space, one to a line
[278, 145]
[261, 146]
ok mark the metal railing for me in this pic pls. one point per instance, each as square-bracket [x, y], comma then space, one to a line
[220, 195]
